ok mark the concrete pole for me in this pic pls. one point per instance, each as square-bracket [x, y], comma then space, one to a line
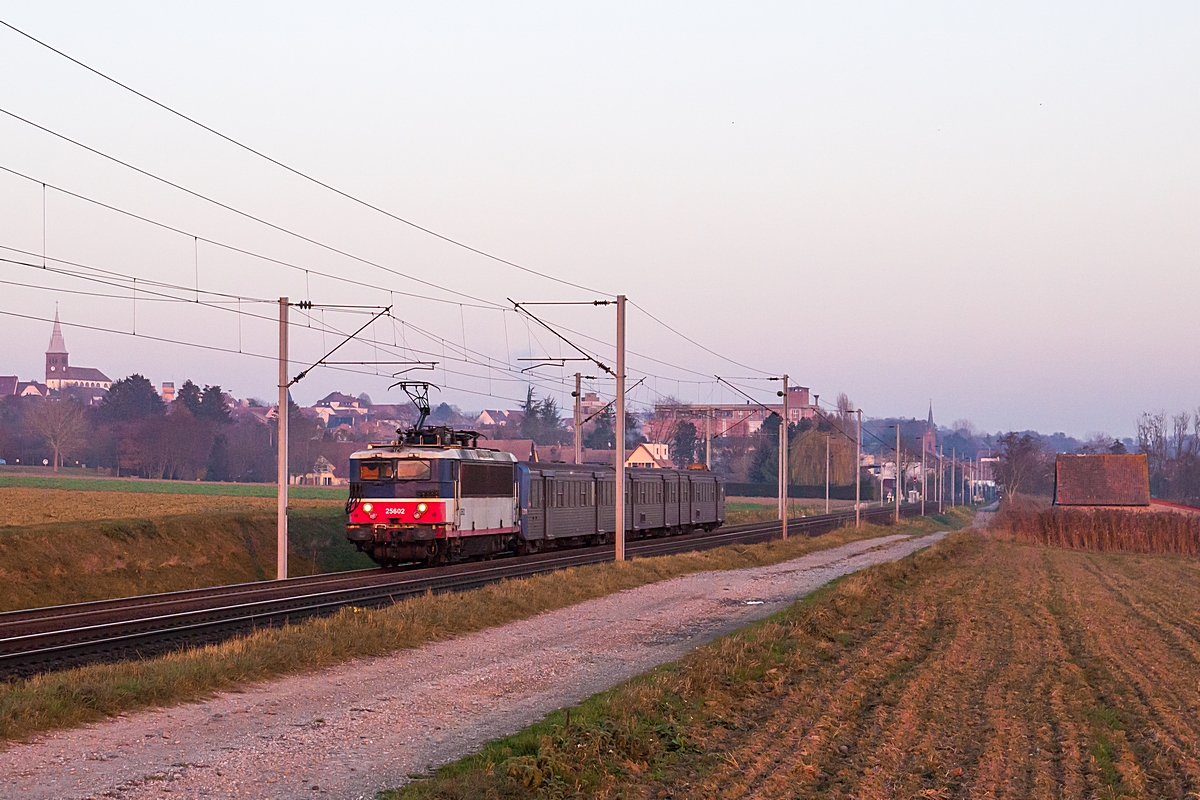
[858, 473]
[827, 473]
[941, 481]
[620, 454]
[953, 485]
[783, 461]
[578, 422]
[899, 472]
[881, 455]
[708, 439]
[281, 534]
[924, 483]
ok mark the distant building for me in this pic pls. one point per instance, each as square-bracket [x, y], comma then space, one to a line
[492, 418]
[323, 474]
[929, 438]
[168, 391]
[336, 409]
[650, 456]
[589, 404]
[61, 375]
[734, 419]
[1102, 481]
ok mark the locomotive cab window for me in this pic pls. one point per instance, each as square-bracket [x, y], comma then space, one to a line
[375, 470]
[411, 469]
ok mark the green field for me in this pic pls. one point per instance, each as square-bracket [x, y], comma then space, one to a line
[168, 487]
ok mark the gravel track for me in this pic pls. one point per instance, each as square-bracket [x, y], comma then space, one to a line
[355, 729]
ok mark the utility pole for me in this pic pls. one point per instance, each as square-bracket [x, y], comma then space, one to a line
[898, 472]
[620, 454]
[708, 440]
[783, 461]
[924, 483]
[578, 421]
[281, 536]
[858, 473]
[953, 485]
[941, 490]
[827, 473]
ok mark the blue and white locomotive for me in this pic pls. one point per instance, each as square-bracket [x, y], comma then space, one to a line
[436, 497]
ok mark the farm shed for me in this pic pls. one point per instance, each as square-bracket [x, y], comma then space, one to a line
[1102, 481]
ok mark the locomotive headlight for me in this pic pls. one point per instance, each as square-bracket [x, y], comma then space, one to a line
[421, 508]
[367, 507]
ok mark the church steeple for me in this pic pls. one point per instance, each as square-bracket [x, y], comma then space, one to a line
[57, 345]
[929, 439]
[56, 357]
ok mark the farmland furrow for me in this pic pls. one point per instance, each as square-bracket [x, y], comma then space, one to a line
[1095, 627]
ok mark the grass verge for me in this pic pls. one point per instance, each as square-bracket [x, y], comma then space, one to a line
[75, 562]
[72, 697]
[976, 668]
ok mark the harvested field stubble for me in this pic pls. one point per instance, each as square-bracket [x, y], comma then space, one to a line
[71, 697]
[1101, 529]
[979, 668]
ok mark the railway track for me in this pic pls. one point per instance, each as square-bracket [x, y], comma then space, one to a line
[41, 639]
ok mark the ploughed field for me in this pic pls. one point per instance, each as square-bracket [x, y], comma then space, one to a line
[978, 668]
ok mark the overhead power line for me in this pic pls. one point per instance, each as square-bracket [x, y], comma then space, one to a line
[234, 210]
[300, 173]
[243, 251]
[347, 195]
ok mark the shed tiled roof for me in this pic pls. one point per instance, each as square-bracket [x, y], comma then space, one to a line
[1101, 480]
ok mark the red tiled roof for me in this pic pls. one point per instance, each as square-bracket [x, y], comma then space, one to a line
[1101, 480]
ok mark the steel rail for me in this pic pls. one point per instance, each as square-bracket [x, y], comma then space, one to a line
[36, 640]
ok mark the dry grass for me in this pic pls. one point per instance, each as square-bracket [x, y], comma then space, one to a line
[20, 506]
[1101, 529]
[82, 695]
[744, 510]
[75, 562]
[979, 668]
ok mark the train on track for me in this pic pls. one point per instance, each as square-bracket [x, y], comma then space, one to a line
[435, 496]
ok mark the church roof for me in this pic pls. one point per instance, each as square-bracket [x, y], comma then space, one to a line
[86, 374]
[8, 385]
[57, 345]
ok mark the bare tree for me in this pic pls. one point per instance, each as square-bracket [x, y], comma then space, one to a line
[60, 423]
[1152, 440]
[1024, 465]
[1181, 439]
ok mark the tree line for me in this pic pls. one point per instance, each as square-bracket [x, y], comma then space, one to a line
[132, 432]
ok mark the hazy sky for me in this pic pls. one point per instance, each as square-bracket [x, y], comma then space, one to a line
[993, 206]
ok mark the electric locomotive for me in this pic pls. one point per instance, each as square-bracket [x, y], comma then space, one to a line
[435, 496]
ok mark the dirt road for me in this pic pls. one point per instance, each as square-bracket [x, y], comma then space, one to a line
[353, 730]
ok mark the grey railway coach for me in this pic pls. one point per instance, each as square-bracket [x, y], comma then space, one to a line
[577, 502]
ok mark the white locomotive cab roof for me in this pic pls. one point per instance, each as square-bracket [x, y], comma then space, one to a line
[453, 453]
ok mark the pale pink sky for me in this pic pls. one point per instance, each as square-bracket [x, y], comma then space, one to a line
[990, 205]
